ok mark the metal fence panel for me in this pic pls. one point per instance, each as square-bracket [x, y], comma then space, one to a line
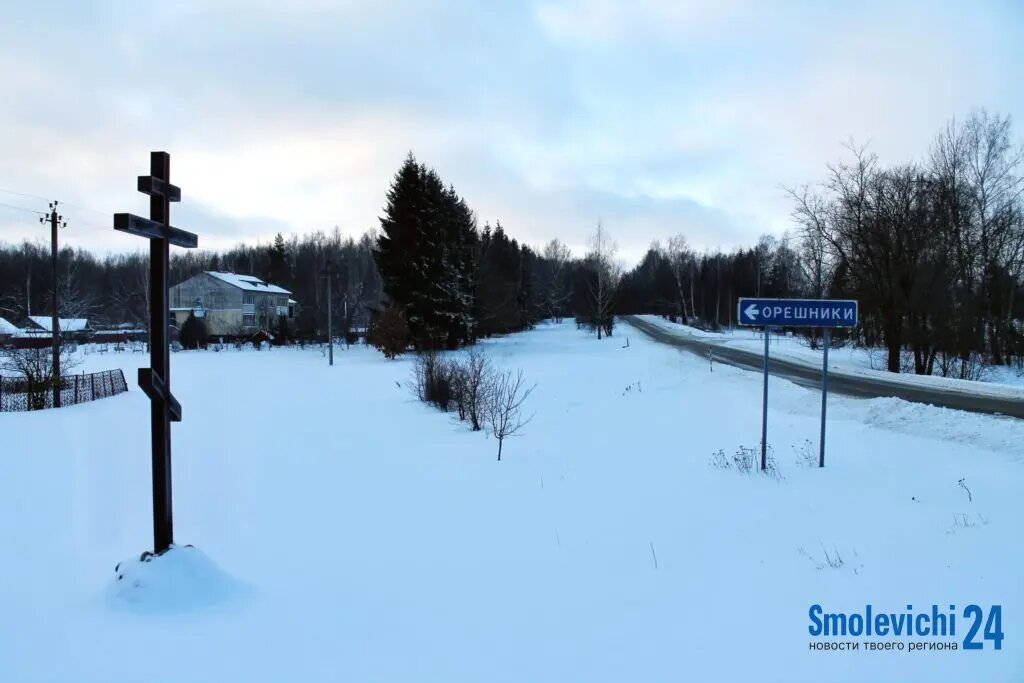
[19, 394]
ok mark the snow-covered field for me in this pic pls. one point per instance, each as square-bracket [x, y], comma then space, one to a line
[361, 535]
[995, 380]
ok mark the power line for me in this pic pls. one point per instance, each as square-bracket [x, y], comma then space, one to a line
[22, 208]
[91, 224]
[23, 194]
[29, 195]
[89, 208]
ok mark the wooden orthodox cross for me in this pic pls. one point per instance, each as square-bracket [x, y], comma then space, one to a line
[155, 381]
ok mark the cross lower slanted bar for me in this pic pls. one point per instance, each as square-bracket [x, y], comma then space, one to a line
[155, 381]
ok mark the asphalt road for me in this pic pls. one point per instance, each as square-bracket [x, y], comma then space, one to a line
[838, 381]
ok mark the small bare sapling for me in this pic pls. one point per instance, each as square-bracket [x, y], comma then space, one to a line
[506, 395]
[963, 485]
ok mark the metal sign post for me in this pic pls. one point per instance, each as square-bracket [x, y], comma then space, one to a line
[823, 313]
[824, 398]
[764, 404]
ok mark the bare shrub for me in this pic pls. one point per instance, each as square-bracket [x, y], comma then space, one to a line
[477, 374]
[805, 454]
[832, 560]
[35, 367]
[744, 460]
[975, 367]
[457, 384]
[505, 397]
[963, 485]
[719, 461]
[771, 469]
[389, 333]
[747, 460]
[432, 379]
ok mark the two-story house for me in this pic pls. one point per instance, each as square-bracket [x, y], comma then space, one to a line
[230, 304]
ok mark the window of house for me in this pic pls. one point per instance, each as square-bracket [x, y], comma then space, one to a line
[249, 320]
[247, 299]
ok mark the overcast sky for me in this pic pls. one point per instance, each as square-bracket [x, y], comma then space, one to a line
[657, 118]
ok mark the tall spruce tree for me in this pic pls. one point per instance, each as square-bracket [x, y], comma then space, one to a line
[440, 302]
[499, 287]
[463, 247]
[278, 268]
[425, 257]
[398, 254]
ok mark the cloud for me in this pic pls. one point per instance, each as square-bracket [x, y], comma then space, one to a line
[656, 117]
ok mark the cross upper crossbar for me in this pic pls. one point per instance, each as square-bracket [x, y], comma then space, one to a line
[158, 187]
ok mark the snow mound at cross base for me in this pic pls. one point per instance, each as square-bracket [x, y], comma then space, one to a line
[180, 579]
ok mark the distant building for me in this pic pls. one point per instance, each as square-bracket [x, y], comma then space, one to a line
[231, 305]
[120, 334]
[7, 330]
[76, 329]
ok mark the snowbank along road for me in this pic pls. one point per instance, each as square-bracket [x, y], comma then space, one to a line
[839, 381]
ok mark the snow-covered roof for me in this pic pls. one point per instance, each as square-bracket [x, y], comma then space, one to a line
[248, 283]
[66, 324]
[7, 327]
[33, 333]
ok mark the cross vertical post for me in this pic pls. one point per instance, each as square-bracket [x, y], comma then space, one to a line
[155, 381]
[159, 358]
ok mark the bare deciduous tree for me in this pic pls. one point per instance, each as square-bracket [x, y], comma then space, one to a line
[556, 296]
[35, 366]
[476, 373]
[680, 259]
[505, 397]
[606, 276]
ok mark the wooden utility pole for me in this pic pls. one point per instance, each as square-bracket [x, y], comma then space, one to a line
[330, 270]
[155, 381]
[56, 221]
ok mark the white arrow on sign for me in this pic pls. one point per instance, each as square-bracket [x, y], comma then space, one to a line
[751, 311]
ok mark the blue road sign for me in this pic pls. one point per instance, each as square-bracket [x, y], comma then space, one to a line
[798, 312]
